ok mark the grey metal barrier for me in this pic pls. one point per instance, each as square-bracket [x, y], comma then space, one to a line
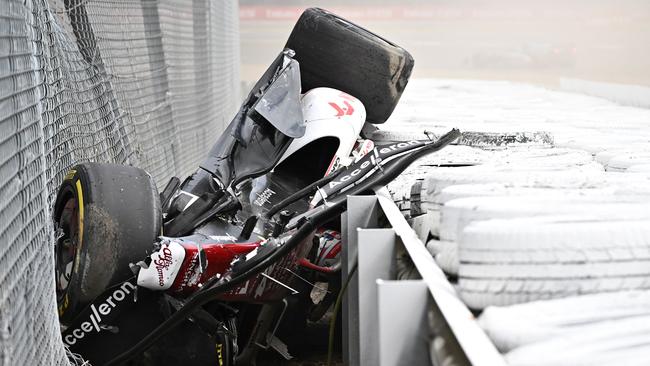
[386, 321]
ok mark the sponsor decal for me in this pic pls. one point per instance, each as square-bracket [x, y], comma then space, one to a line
[223, 238]
[164, 267]
[350, 175]
[401, 145]
[192, 275]
[162, 264]
[261, 285]
[97, 312]
[364, 164]
[263, 197]
[345, 110]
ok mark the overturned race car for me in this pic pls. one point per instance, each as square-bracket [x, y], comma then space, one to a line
[210, 269]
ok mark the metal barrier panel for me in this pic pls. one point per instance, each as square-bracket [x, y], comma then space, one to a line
[362, 213]
[376, 262]
[141, 82]
[408, 322]
[403, 331]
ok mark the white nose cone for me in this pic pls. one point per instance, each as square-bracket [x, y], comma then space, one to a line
[330, 113]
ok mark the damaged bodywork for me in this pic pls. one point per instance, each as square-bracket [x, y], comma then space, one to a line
[256, 221]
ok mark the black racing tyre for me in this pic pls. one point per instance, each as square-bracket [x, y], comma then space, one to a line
[106, 216]
[336, 53]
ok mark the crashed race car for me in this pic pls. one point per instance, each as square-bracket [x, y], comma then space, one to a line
[207, 271]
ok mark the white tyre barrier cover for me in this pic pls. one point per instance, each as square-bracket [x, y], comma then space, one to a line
[447, 259]
[446, 177]
[623, 342]
[503, 262]
[514, 326]
[446, 255]
[438, 187]
[593, 184]
[436, 246]
[458, 214]
[442, 178]
[455, 215]
[505, 189]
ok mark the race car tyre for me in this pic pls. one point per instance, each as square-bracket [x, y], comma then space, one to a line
[504, 262]
[515, 326]
[106, 216]
[326, 45]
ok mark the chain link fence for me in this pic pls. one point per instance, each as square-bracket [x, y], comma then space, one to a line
[149, 83]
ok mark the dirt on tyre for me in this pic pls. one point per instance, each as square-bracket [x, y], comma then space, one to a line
[106, 216]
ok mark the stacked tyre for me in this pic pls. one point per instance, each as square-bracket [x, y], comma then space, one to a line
[504, 262]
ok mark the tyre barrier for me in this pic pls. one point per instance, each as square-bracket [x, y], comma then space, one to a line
[504, 262]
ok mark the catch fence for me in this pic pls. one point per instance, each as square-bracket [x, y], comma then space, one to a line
[149, 83]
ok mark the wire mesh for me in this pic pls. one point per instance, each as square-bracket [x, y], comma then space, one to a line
[141, 82]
